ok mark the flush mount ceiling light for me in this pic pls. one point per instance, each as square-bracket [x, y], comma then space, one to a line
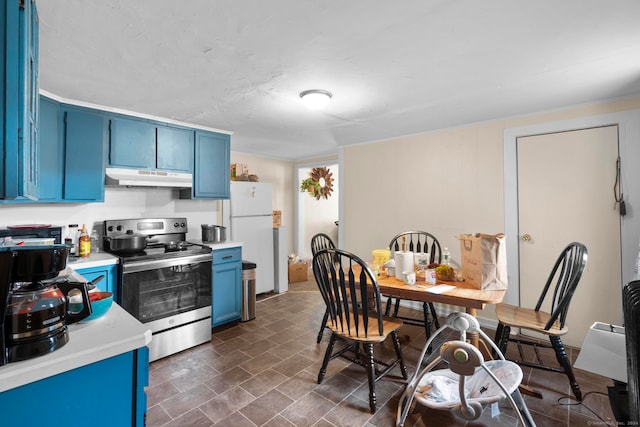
[315, 99]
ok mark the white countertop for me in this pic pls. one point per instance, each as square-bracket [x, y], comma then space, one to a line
[115, 333]
[98, 259]
[221, 245]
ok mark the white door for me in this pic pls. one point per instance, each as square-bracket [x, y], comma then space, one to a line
[565, 194]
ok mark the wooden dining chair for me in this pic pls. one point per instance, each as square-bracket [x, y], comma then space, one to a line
[344, 280]
[318, 242]
[417, 241]
[565, 275]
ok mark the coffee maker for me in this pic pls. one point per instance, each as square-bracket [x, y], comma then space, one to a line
[34, 301]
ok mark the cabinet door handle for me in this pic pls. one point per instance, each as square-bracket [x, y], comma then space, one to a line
[227, 256]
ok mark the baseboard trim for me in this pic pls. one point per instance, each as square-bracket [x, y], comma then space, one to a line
[445, 310]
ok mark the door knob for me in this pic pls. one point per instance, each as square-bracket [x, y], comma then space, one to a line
[526, 237]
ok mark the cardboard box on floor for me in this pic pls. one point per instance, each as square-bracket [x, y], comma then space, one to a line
[298, 272]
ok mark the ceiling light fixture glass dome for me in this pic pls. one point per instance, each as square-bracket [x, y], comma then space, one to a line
[315, 99]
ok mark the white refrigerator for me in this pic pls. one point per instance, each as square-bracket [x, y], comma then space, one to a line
[251, 222]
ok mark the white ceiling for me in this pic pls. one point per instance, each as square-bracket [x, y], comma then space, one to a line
[394, 67]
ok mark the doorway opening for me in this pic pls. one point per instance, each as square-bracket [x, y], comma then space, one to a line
[317, 208]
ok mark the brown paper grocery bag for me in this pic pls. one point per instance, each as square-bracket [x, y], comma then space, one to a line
[484, 260]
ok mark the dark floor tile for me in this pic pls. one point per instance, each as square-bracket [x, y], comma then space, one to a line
[306, 411]
[223, 405]
[351, 411]
[184, 401]
[228, 380]
[266, 407]
[157, 416]
[235, 420]
[193, 418]
[299, 384]
[230, 360]
[260, 363]
[338, 387]
[160, 392]
[264, 373]
[279, 421]
[293, 365]
[261, 383]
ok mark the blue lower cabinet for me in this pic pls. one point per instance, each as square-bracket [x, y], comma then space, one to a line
[106, 393]
[108, 283]
[227, 286]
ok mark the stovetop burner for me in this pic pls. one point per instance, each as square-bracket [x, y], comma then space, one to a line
[166, 238]
[167, 251]
[177, 246]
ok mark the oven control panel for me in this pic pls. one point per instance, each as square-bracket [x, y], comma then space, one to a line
[146, 226]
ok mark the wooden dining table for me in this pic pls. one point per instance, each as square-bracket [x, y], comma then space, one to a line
[462, 295]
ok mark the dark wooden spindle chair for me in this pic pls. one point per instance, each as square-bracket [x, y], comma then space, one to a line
[352, 297]
[566, 274]
[417, 241]
[318, 242]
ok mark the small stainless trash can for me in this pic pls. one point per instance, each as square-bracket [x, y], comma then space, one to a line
[248, 310]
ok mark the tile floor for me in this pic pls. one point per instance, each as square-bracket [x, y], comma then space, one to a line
[264, 373]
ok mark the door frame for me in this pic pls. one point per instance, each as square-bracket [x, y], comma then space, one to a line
[301, 242]
[628, 123]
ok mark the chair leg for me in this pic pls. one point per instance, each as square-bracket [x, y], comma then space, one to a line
[563, 359]
[324, 325]
[427, 322]
[396, 345]
[434, 315]
[502, 337]
[396, 307]
[497, 339]
[387, 310]
[327, 357]
[371, 374]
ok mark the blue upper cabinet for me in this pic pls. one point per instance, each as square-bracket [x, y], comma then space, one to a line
[51, 151]
[71, 154]
[211, 167]
[29, 99]
[174, 148]
[143, 144]
[19, 99]
[85, 140]
[132, 143]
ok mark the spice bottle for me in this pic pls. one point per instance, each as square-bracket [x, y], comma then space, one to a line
[84, 243]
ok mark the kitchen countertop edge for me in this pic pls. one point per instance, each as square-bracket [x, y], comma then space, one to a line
[221, 245]
[115, 333]
[99, 259]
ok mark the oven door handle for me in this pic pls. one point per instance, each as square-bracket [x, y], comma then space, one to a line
[133, 267]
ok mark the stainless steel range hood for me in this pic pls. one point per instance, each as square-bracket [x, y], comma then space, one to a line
[147, 178]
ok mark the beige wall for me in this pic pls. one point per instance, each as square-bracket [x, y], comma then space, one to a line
[446, 182]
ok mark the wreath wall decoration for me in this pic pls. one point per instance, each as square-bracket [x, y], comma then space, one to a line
[320, 183]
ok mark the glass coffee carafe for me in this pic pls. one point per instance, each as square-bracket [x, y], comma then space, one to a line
[36, 311]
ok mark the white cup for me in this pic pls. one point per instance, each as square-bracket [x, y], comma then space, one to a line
[409, 277]
[430, 276]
